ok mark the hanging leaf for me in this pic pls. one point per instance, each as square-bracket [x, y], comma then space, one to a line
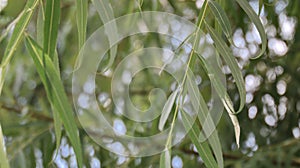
[202, 147]
[255, 19]
[226, 52]
[51, 25]
[165, 159]
[222, 18]
[107, 15]
[207, 123]
[82, 12]
[59, 100]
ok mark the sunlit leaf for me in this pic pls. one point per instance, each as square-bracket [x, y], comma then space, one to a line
[16, 37]
[107, 14]
[255, 19]
[167, 110]
[3, 158]
[59, 100]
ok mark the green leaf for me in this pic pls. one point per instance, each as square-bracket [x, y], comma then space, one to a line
[82, 7]
[221, 17]
[167, 110]
[3, 158]
[226, 52]
[255, 19]
[51, 26]
[59, 100]
[107, 14]
[165, 159]
[52, 16]
[207, 123]
[16, 37]
[202, 147]
[215, 144]
[40, 25]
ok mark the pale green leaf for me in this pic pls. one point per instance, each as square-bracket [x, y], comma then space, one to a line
[255, 19]
[16, 37]
[167, 110]
[59, 101]
[208, 126]
[165, 159]
[107, 15]
[221, 17]
[3, 158]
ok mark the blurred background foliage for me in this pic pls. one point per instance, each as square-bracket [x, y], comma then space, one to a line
[270, 125]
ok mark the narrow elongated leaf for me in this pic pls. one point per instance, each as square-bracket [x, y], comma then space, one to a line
[208, 126]
[59, 101]
[215, 144]
[202, 147]
[255, 19]
[52, 16]
[16, 37]
[226, 52]
[40, 26]
[165, 159]
[50, 27]
[221, 17]
[107, 14]
[237, 129]
[82, 7]
[3, 158]
[167, 110]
